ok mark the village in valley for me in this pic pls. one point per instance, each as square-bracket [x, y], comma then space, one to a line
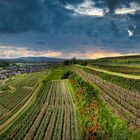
[13, 69]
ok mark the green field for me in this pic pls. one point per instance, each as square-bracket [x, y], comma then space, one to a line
[70, 103]
[131, 60]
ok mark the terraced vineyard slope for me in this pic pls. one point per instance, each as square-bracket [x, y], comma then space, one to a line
[123, 102]
[49, 115]
[117, 73]
[15, 92]
[68, 103]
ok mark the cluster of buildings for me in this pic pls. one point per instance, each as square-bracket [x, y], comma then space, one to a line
[21, 68]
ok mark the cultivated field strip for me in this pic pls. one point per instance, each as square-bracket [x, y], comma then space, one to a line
[15, 93]
[66, 128]
[126, 103]
[54, 106]
[23, 122]
[58, 131]
[61, 122]
[40, 132]
[74, 123]
[30, 134]
[51, 116]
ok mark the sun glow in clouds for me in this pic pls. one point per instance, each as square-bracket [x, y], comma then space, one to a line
[13, 52]
[134, 7]
[94, 54]
[88, 8]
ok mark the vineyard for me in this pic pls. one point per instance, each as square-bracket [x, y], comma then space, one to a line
[127, 83]
[67, 103]
[15, 92]
[50, 113]
[96, 121]
[120, 69]
[122, 101]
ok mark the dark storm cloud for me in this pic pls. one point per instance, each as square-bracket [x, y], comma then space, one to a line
[44, 25]
[113, 4]
[42, 15]
[19, 15]
[25, 15]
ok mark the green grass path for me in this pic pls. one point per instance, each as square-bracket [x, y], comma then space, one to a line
[116, 73]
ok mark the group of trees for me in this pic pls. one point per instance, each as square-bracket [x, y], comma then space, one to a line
[75, 61]
[4, 64]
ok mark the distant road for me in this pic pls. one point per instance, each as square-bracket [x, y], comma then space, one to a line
[116, 73]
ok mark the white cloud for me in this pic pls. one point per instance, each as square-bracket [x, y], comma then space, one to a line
[13, 52]
[86, 8]
[134, 7]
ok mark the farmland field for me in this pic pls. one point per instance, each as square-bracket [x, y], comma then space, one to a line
[69, 103]
[49, 114]
[15, 92]
[123, 101]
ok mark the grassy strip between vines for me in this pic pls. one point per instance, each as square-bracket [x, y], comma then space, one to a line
[94, 117]
[127, 83]
[58, 73]
[120, 69]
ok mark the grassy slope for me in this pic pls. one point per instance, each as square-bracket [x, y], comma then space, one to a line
[132, 70]
[123, 60]
[116, 73]
[127, 83]
[57, 73]
[110, 127]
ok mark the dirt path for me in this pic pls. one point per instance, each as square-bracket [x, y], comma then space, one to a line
[3, 82]
[12, 88]
[35, 125]
[66, 127]
[8, 123]
[48, 134]
[116, 73]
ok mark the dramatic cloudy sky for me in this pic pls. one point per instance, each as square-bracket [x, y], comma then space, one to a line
[69, 28]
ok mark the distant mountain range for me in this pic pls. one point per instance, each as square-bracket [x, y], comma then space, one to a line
[34, 59]
[51, 59]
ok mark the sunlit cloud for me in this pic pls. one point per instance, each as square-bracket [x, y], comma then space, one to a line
[97, 54]
[86, 8]
[134, 7]
[94, 54]
[13, 52]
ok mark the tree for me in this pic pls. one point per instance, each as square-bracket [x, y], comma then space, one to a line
[4, 64]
